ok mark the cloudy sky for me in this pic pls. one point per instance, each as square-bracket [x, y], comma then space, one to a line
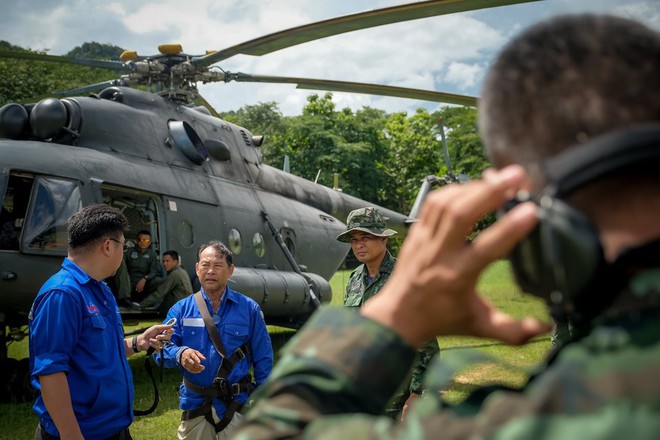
[446, 53]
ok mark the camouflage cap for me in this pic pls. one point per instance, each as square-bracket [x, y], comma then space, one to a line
[369, 220]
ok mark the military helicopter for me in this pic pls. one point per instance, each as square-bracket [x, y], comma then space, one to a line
[180, 172]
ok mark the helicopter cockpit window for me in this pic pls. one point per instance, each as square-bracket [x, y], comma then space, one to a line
[54, 201]
[14, 207]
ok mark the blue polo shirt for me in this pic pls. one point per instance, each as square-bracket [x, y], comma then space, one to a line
[75, 328]
[239, 321]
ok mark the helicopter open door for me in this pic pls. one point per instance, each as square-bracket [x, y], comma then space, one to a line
[140, 208]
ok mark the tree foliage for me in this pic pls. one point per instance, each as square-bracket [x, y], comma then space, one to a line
[379, 157]
[264, 119]
[414, 154]
[463, 142]
[96, 50]
[23, 80]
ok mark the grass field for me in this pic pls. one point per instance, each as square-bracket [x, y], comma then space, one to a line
[508, 365]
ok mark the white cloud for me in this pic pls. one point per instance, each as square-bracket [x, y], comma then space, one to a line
[447, 53]
[462, 74]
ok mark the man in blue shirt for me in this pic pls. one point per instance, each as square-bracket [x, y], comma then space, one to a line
[213, 389]
[77, 346]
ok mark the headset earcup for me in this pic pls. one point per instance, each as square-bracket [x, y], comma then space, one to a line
[560, 259]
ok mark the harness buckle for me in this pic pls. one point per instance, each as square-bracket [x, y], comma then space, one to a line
[236, 389]
[218, 382]
[239, 354]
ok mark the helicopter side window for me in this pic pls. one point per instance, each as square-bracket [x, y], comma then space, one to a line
[54, 201]
[14, 207]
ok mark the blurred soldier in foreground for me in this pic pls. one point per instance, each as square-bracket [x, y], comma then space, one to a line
[570, 112]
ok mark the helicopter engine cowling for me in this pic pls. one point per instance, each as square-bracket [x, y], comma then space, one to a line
[48, 117]
[281, 294]
[14, 120]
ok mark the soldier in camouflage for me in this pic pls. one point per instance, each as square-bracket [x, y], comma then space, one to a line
[562, 81]
[367, 233]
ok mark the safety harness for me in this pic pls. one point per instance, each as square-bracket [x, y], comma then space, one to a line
[221, 387]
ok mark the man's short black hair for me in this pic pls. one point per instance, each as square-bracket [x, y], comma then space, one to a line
[144, 232]
[219, 248]
[173, 254]
[95, 222]
[566, 80]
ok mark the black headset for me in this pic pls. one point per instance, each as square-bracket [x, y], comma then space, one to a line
[562, 259]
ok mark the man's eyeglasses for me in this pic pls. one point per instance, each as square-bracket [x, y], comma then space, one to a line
[145, 240]
[123, 245]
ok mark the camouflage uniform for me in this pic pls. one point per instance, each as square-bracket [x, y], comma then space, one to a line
[358, 291]
[604, 385]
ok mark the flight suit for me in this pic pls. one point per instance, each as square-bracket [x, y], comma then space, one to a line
[143, 264]
[175, 287]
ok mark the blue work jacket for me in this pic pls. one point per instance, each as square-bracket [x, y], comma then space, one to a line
[75, 328]
[239, 321]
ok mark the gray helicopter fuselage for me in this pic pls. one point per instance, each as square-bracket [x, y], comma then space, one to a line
[182, 174]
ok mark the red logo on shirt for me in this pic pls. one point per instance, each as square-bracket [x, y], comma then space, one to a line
[92, 308]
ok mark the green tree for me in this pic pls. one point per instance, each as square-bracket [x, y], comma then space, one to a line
[325, 141]
[464, 144]
[465, 149]
[414, 153]
[96, 50]
[26, 80]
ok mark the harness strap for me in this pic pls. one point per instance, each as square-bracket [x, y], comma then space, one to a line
[229, 363]
[150, 373]
[210, 325]
[206, 411]
[222, 389]
[229, 414]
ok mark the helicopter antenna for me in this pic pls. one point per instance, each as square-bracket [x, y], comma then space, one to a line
[445, 151]
[286, 168]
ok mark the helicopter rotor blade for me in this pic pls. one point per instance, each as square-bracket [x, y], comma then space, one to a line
[355, 87]
[348, 23]
[105, 64]
[91, 88]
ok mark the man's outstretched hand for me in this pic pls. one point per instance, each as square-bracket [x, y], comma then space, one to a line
[432, 290]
